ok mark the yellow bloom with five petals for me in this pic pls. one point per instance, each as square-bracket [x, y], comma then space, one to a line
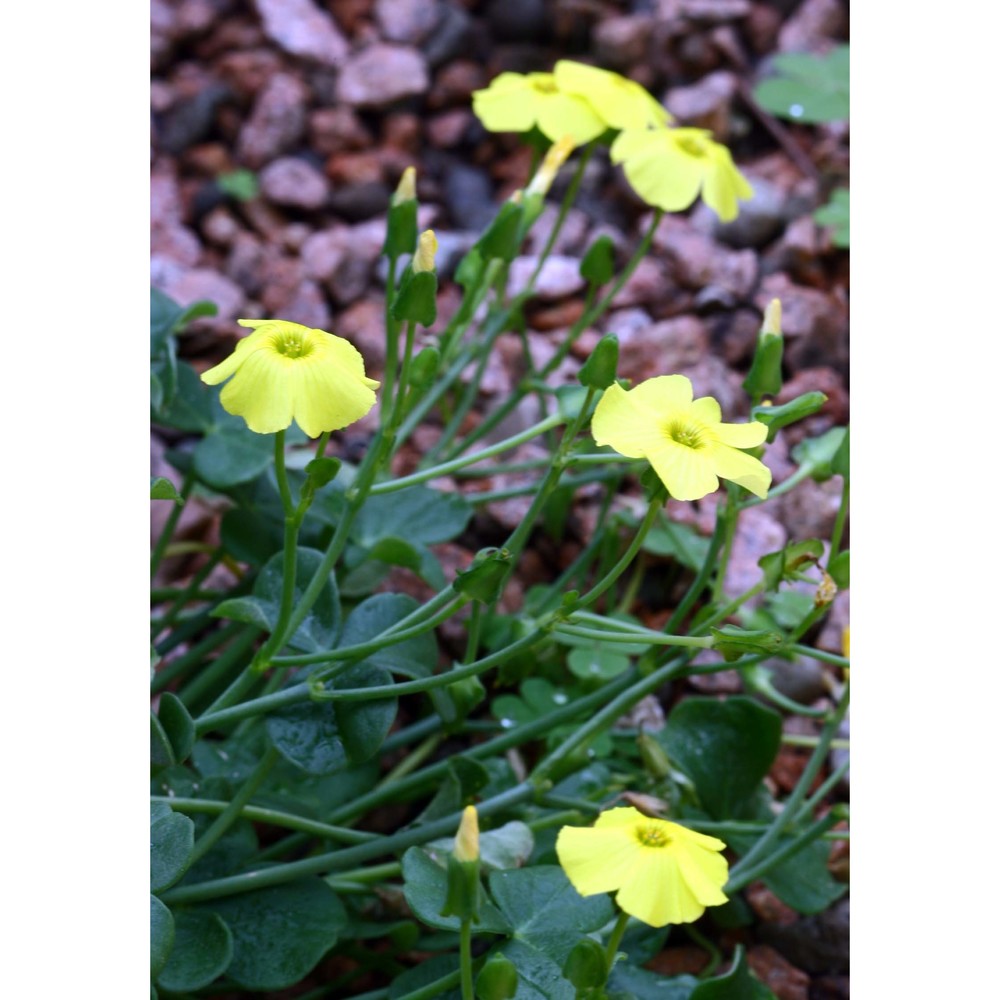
[663, 873]
[668, 167]
[514, 102]
[621, 102]
[283, 372]
[684, 439]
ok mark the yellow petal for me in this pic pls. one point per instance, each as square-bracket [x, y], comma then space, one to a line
[685, 835]
[329, 386]
[705, 872]
[244, 347]
[621, 102]
[563, 114]
[707, 410]
[620, 816]
[749, 472]
[625, 423]
[597, 860]
[506, 105]
[661, 173]
[741, 435]
[657, 894]
[724, 184]
[687, 473]
[260, 392]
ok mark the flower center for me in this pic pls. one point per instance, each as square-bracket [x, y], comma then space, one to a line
[292, 344]
[686, 434]
[692, 146]
[652, 836]
[545, 86]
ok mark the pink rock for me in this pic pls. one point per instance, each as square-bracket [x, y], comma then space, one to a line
[293, 182]
[324, 252]
[697, 261]
[663, 348]
[381, 75]
[621, 42]
[277, 122]
[705, 104]
[363, 324]
[812, 27]
[647, 285]
[447, 128]
[302, 29]
[757, 534]
[303, 303]
[202, 283]
[337, 130]
[406, 20]
[559, 277]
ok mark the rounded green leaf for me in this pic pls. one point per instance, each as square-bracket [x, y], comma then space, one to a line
[225, 458]
[161, 936]
[171, 839]
[177, 724]
[307, 736]
[203, 948]
[280, 933]
[602, 664]
[161, 753]
[364, 725]
[416, 657]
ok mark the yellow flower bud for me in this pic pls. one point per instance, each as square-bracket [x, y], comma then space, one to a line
[467, 838]
[406, 190]
[427, 246]
[772, 318]
[556, 156]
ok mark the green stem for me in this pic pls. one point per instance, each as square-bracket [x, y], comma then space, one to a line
[446, 467]
[714, 955]
[412, 760]
[231, 813]
[189, 593]
[391, 341]
[222, 667]
[700, 581]
[742, 875]
[273, 817]
[820, 654]
[630, 638]
[809, 806]
[729, 517]
[434, 989]
[616, 939]
[170, 524]
[194, 656]
[344, 857]
[465, 957]
[838, 526]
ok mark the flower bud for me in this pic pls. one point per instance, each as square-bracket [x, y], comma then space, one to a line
[772, 318]
[598, 371]
[556, 156]
[427, 246]
[407, 189]
[733, 642]
[764, 376]
[467, 839]
[586, 967]
[401, 225]
[498, 979]
[598, 264]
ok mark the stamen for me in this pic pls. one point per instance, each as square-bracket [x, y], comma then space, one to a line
[652, 836]
[686, 434]
[692, 145]
[292, 345]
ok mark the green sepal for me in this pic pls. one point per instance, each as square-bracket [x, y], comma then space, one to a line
[817, 454]
[424, 368]
[534, 205]
[454, 702]
[502, 238]
[483, 581]
[764, 377]
[776, 417]
[654, 757]
[417, 298]
[401, 229]
[733, 642]
[465, 892]
[598, 371]
[778, 566]
[322, 471]
[161, 488]
[498, 979]
[598, 264]
[469, 269]
[587, 965]
[841, 464]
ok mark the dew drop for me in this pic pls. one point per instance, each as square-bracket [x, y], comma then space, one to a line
[560, 698]
[796, 110]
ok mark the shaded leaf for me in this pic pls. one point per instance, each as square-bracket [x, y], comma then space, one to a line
[203, 948]
[171, 840]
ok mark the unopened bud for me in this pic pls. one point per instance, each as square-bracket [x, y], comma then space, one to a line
[427, 246]
[556, 156]
[467, 838]
[772, 318]
[764, 377]
[406, 190]
[517, 197]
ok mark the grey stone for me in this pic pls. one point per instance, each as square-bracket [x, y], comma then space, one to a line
[558, 278]
[302, 29]
[293, 182]
[409, 21]
[381, 75]
[277, 122]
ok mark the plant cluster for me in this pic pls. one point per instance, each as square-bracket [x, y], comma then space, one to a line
[346, 800]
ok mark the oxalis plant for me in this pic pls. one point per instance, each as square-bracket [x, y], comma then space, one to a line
[346, 800]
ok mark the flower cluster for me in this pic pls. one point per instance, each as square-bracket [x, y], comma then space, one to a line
[668, 167]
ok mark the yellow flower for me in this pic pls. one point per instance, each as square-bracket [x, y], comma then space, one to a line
[683, 438]
[664, 873]
[283, 372]
[467, 838]
[621, 102]
[514, 102]
[668, 167]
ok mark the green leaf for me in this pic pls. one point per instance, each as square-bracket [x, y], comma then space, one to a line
[280, 933]
[321, 626]
[502, 237]
[190, 409]
[596, 663]
[228, 456]
[418, 514]
[171, 840]
[416, 657]
[836, 215]
[598, 264]
[239, 184]
[465, 779]
[725, 747]
[161, 753]
[737, 984]
[425, 973]
[485, 577]
[203, 948]
[776, 417]
[646, 985]
[840, 569]
[161, 488]
[321, 737]
[539, 977]
[817, 454]
[161, 936]
[416, 557]
[809, 88]
[804, 882]
[545, 910]
[425, 886]
[416, 301]
[677, 541]
[177, 724]
[793, 558]
[509, 846]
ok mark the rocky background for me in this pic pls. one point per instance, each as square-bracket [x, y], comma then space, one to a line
[327, 101]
